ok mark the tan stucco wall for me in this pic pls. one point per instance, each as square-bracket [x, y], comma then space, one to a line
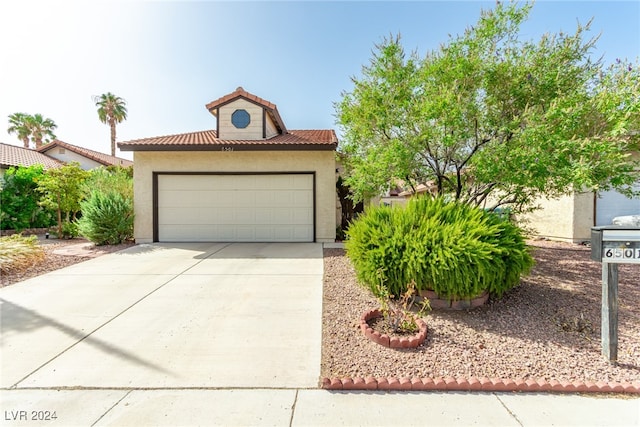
[229, 131]
[320, 162]
[568, 218]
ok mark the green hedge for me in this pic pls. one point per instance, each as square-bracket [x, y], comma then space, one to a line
[454, 249]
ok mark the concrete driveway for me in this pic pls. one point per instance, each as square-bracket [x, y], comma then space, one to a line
[200, 315]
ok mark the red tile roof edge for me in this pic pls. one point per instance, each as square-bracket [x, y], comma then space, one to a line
[209, 138]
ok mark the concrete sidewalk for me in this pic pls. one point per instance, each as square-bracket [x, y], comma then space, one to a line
[305, 407]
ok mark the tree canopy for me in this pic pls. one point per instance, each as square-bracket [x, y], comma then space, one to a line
[62, 191]
[111, 110]
[32, 128]
[490, 119]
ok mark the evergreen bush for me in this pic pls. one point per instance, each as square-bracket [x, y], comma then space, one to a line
[457, 250]
[107, 218]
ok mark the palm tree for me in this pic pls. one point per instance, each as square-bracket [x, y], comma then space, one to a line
[111, 110]
[41, 129]
[28, 127]
[18, 125]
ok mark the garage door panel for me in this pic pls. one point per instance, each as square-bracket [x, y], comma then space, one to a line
[244, 199]
[302, 198]
[301, 182]
[301, 216]
[242, 208]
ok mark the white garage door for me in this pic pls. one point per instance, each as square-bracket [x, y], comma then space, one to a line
[235, 208]
[611, 204]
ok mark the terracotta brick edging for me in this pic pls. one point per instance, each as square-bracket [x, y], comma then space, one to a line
[392, 342]
[475, 384]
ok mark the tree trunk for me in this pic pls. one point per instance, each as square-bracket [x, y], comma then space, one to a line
[113, 139]
[25, 141]
[59, 218]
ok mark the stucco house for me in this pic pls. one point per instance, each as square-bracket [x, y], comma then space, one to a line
[55, 154]
[248, 180]
[88, 159]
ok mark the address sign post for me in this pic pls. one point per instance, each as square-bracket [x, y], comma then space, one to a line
[613, 245]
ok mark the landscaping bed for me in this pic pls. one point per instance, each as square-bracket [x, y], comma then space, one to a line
[53, 261]
[547, 328]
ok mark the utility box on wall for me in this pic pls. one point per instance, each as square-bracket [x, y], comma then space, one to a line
[617, 244]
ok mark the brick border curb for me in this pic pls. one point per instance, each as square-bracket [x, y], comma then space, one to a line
[475, 384]
[392, 342]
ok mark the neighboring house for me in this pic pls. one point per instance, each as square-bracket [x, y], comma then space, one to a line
[568, 218]
[88, 159]
[12, 155]
[248, 180]
[571, 217]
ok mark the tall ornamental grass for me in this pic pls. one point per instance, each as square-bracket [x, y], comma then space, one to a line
[18, 252]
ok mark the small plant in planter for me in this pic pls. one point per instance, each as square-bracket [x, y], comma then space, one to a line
[397, 316]
[456, 250]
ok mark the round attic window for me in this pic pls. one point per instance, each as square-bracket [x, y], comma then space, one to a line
[240, 119]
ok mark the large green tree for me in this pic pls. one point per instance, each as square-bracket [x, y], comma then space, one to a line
[62, 191]
[18, 125]
[490, 119]
[35, 128]
[41, 129]
[111, 110]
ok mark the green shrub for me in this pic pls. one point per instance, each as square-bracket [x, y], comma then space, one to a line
[456, 250]
[112, 178]
[18, 252]
[19, 200]
[68, 230]
[107, 218]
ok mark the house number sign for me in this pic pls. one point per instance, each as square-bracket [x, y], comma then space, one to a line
[613, 245]
[623, 252]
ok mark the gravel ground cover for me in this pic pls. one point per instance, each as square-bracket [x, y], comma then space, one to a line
[548, 327]
[52, 261]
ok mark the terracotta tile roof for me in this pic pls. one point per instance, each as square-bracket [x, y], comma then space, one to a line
[102, 158]
[12, 155]
[241, 93]
[325, 139]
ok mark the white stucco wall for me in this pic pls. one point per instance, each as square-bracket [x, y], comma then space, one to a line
[68, 156]
[320, 162]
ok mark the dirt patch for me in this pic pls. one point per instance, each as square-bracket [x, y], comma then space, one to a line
[548, 327]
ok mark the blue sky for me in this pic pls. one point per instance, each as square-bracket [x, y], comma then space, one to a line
[168, 59]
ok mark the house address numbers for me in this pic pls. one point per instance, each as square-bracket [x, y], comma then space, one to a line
[621, 252]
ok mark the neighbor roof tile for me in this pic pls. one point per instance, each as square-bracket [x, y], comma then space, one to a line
[12, 155]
